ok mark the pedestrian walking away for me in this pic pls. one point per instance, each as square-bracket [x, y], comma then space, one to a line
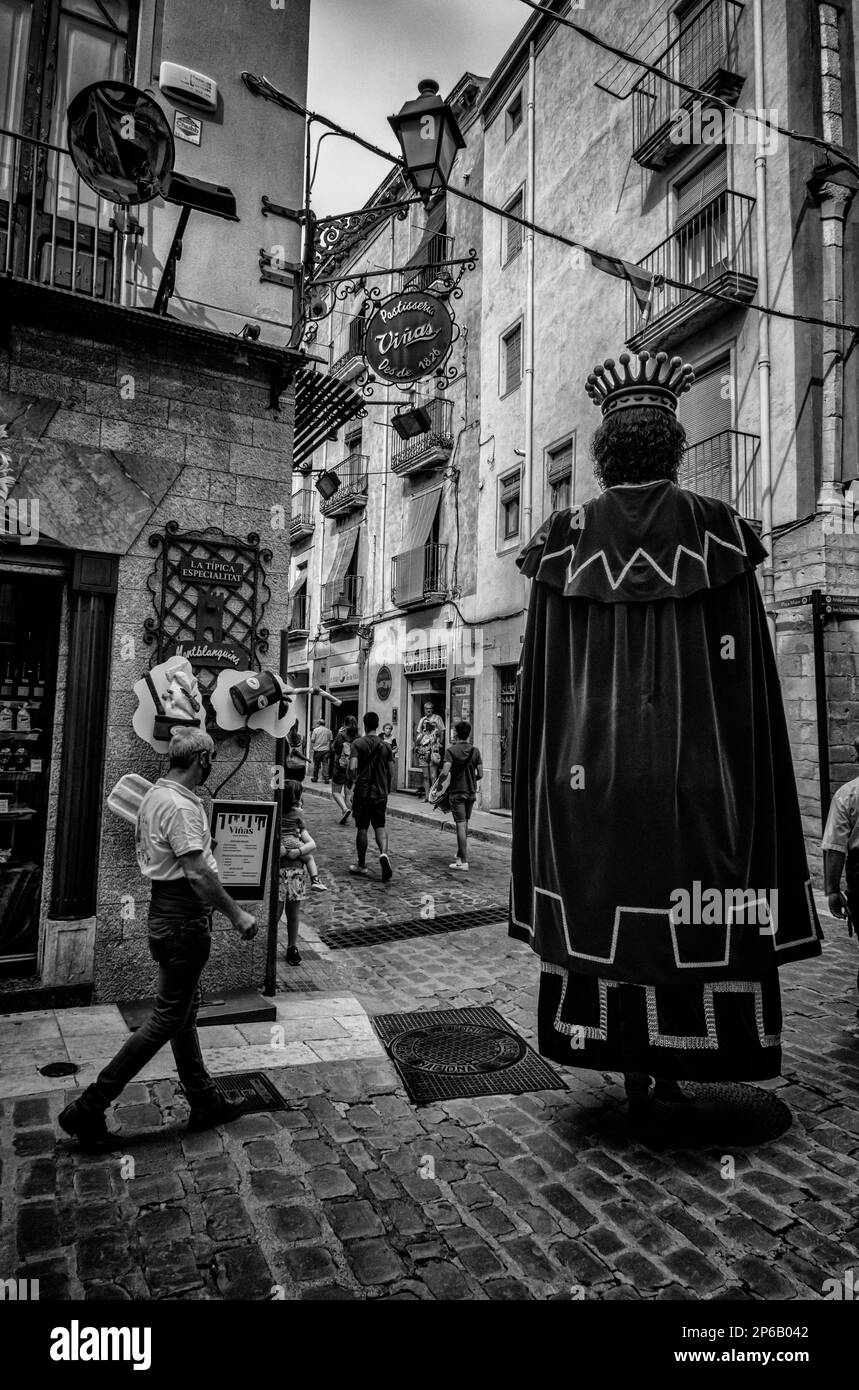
[296, 837]
[320, 748]
[840, 847]
[293, 872]
[341, 751]
[463, 769]
[370, 768]
[174, 851]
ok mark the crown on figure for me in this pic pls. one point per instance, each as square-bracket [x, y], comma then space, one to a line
[659, 380]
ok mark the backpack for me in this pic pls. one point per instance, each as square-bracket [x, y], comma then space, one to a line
[345, 754]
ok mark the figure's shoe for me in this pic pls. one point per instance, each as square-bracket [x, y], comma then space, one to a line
[220, 1113]
[318, 886]
[293, 955]
[359, 869]
[385, 865]
[89, 1127]
[343, 819]
[459, 864]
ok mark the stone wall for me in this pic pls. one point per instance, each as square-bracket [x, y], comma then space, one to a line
[211, 419]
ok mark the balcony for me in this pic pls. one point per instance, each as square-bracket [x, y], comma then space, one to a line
[56, 231]
[350, 363]
[351, 495]
[725, 466]
[711, 252]
[705, 56]
[348, 596]
[419, 576]
[301, 522]
[430, 269]
[426, 450]
[419, 659]
[299, 618]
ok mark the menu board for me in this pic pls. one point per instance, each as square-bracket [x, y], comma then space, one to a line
[241, 842]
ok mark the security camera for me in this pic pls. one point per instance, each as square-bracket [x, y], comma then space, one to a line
[250, 332]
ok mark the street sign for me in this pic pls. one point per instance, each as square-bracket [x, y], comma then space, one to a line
[408, 336]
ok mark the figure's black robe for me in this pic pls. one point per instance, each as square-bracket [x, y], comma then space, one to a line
[659, 868]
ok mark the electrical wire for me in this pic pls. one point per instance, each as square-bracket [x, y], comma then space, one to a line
[272, 94]
[826, 145]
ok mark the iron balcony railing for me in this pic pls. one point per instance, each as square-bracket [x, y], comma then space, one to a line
[703, 55]
[434, 256]
[725, 466]
[713, 249]
[418, 576]
[301, 521]
[419, 659]
[352, 491]
[54, 230]
[355, 338]
[299, 618]
[437, 441]
[350, 593]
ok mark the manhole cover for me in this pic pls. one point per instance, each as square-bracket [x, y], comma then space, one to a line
[444, 1053]
[255, 1090]
[58, 1069]
[458, 1049]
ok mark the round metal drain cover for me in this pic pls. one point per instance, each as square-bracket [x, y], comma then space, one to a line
[458, 1049]
[58, 1069]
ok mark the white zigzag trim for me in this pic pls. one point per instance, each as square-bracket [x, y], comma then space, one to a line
[640, 552]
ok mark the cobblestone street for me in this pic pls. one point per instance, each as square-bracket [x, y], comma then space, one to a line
[354, 1193]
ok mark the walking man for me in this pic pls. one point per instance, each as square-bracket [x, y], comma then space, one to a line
[463, 768]
[320, 747]
[174, 851]
[841, 848]
[370, 767]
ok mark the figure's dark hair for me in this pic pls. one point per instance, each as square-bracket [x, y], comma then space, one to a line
[371, 721]
[638, 445]
[462, 729]
[351, 724]
[291, 795]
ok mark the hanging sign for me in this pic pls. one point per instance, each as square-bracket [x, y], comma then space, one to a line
[384, 683]
[241, 839]
[408, 336]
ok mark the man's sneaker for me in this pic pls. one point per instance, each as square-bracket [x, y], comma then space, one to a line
[293, 955]
[358, 869]
[220, 1113]
[318, 886]
[343, 819]
[89, 1127]
[459, 864]
[387, 871]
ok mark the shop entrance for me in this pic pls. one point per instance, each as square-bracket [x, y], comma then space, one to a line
[29, 643]
[507, 696]
[422, 690]
[348, 697]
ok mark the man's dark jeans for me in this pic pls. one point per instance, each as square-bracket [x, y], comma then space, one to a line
[181, 947]
[320, 761]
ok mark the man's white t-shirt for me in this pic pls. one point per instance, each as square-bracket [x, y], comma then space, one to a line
[171, 821]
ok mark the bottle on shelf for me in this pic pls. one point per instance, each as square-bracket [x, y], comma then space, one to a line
[7, 718]
[7, 686]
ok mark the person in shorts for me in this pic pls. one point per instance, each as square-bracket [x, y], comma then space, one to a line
[341, 751]
[370, 769]
[464, 769]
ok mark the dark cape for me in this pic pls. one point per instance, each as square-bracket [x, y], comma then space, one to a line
[658, 865]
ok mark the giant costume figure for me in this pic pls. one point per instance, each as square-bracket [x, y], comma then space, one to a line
[659, 869]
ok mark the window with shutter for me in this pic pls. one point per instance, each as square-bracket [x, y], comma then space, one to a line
[705, 414]
[509, 491]
[511, 358]
[514, 231]
[699, 190]
[559, 462]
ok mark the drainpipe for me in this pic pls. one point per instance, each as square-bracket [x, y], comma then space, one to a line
[833, 198]
[528, 480]
[763, 327]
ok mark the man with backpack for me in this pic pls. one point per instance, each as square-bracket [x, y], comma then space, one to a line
[370, 768]
[464, 769]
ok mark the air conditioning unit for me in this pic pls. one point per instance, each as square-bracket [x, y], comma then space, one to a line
[187, 87]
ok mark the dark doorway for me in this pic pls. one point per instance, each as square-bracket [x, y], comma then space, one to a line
[507, 696]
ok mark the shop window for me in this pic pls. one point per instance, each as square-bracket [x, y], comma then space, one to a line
[29, 631]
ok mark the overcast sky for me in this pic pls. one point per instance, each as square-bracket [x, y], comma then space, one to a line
[366, 59]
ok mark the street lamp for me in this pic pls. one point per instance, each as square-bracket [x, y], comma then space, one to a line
[327, 484]
[341, 609]
[429, 138]
[409, 423]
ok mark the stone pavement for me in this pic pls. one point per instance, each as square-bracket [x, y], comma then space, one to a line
[354, 1193]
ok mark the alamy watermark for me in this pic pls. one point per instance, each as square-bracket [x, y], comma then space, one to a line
[700, 125]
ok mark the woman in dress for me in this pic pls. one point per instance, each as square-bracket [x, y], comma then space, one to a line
[292, 874]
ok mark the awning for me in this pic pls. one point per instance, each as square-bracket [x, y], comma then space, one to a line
[421, 517]
[322, 404]
[297, 584]
[346, 543]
